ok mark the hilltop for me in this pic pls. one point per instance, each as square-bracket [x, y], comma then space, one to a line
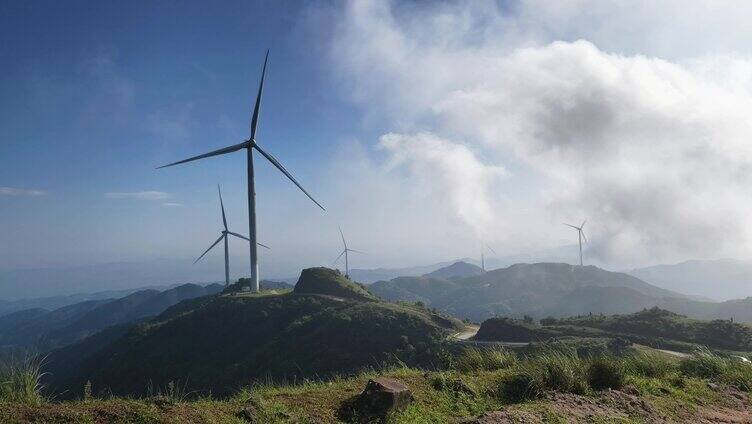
[458, 269]
[328, 325]
[325, 281]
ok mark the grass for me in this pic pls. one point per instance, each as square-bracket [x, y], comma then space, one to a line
[479, 380]
[20, 380]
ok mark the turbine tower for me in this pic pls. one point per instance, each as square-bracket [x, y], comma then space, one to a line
[224, 235]
[580, 235]
[249, 145]
[483, 248]
[345, 251]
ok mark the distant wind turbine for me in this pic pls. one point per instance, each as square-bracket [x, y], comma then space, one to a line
[580, 235]
[345, 252]
[483, 247]
[249, 145]
[225, 232]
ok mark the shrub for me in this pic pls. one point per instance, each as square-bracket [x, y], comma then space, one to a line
[484, 359]
[519, 387]
[548, 321]
[605, 372]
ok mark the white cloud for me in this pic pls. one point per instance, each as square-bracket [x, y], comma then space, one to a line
[173, 204]
[13, 191]
[654, 152]
[139, 195]
[450, 170]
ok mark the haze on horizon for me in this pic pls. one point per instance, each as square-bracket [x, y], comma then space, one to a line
[423, 127]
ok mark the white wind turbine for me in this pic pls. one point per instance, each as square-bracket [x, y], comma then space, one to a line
[483, 247]
[224, 237]
[580, 235]
[249, 146]
[345, 252]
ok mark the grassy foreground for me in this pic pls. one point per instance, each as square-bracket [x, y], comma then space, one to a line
[493, 384]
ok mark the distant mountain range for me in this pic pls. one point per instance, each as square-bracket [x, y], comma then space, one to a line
[118, 276]
[43, 329]
[722, 279]
[549, 289]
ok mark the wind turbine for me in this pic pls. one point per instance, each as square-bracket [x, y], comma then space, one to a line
[249, 145]
[580, 235]
[224, 235]
[345, 251]
[483, 247]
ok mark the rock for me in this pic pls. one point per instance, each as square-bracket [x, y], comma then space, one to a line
[380, 397]
[248, 413]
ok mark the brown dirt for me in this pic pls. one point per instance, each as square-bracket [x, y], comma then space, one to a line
[615, 404]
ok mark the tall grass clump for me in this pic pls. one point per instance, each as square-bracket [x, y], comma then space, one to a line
[551, 371]
[20, 380]
[606, 372]
[704, 364]
[651, 365]
[484, 359]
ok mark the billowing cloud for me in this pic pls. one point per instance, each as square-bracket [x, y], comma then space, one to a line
[14, 191]
[139, 195]
[450, 170]
[654, 152]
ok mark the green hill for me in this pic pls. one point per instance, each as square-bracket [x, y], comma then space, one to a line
[545, 289]
[459, 269]
[653, 327]
[327, 327]
[325, 281]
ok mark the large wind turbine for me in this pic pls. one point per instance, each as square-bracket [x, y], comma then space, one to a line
[249, 145]
[345, 251]
[224, 235]
[580, 235]
[483, 248]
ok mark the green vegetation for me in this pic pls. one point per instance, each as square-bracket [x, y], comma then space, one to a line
[20, 380]
[652, 327]
[487, 380]
[214, 345]
[326, 281]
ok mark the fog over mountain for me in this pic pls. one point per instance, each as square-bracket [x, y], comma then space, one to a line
[718, 280]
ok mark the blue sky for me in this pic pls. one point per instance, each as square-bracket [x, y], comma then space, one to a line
[425, 128]
[96, 94]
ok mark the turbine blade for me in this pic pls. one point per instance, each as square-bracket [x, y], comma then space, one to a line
[583, 223]
[583, 236]
[570, 225]
[279, 166]
[343, 236]
[356, 251]
[210, 154]
[340, 255]
[246, 238]
[224, 219]
[257, 107]
[210, 248]
[491, 249]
